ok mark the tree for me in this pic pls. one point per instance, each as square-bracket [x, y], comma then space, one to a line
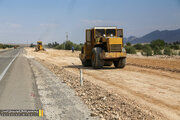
[50, 45]
[61, 46]
[175, 47]
[32, 45]
[167, 51]
[68, 45]
[157, 51]
[147, 51]
[128, 44]
[1, 45]
[130, 49]
[138, 46]
[157, 43]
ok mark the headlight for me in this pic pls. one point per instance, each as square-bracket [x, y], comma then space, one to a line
[124, 50]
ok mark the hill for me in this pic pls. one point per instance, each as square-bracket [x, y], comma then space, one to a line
[168, 36]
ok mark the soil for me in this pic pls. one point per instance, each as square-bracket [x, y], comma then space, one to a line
[147, 88]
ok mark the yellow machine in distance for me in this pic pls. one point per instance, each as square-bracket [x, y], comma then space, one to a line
[103, 47]
[39, 46]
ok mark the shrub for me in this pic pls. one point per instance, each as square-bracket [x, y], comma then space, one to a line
[174, 53]
[167, 51]
[175, 47]
[32, 45]
[157, 43]
[138, 46]
[68, 46]
[147, 51]
[128, 44]
[59, 46]
[130, 49]
[157, 51]
[53, 44]
[1, 45]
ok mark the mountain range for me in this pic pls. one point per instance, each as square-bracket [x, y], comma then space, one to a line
[168, 36]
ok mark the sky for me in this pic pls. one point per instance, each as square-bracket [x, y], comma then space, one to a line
[27, 21]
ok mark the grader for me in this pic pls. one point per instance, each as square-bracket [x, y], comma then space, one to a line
[103, 47]
[39, 46]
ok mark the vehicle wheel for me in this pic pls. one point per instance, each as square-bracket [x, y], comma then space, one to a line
[96, 61]
[86, 63]
[108, 63]
[36, 49]
[121, 63]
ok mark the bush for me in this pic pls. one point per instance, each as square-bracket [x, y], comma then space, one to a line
[175, 47]
[157, 51]
[138, 46]
[68, 46]
[4, 46]
[128, 44]
[167, 51]
[53, 44]
[130, 49]
[59, 46]
[32, 45]
[157, 43]
[78, 46]
[1, 45]
[174, 53]
[147, 51]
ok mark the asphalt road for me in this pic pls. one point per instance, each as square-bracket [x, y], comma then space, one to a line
[17, 86]
[25, 84]
[6, 57]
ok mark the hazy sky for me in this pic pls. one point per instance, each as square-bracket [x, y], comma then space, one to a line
[49, 20]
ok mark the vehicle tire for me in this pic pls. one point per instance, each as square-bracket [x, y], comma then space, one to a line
[36, 49]
[96, 60]
[108, 63]
[121, 63]
[86, 63]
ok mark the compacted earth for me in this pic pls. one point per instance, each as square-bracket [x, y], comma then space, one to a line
[147, 88]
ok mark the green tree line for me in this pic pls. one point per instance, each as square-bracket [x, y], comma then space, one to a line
[4, 46]
[156, 47]
[67, 45]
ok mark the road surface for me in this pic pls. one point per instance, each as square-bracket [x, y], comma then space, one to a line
[25, 84]
[17, 85]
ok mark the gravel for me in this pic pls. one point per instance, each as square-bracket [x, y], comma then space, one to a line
[59, 101]
[100, 101]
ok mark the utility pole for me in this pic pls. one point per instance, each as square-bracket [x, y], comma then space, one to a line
[66, 40]
[66, 36]
[27, 43]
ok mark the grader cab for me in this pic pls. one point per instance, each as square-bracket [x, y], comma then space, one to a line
[103, 47]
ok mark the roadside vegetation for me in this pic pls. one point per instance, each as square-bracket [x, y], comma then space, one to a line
[156, 47]
[65, 45]
[4, 46]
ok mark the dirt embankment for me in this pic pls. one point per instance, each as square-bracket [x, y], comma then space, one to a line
[147, 88]
[165, 64]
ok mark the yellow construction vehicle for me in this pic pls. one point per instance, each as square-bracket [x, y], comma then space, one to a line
[103, 47]
[39, 46]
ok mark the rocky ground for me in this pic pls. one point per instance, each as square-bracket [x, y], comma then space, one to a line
[59, 101]
[147, 88]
